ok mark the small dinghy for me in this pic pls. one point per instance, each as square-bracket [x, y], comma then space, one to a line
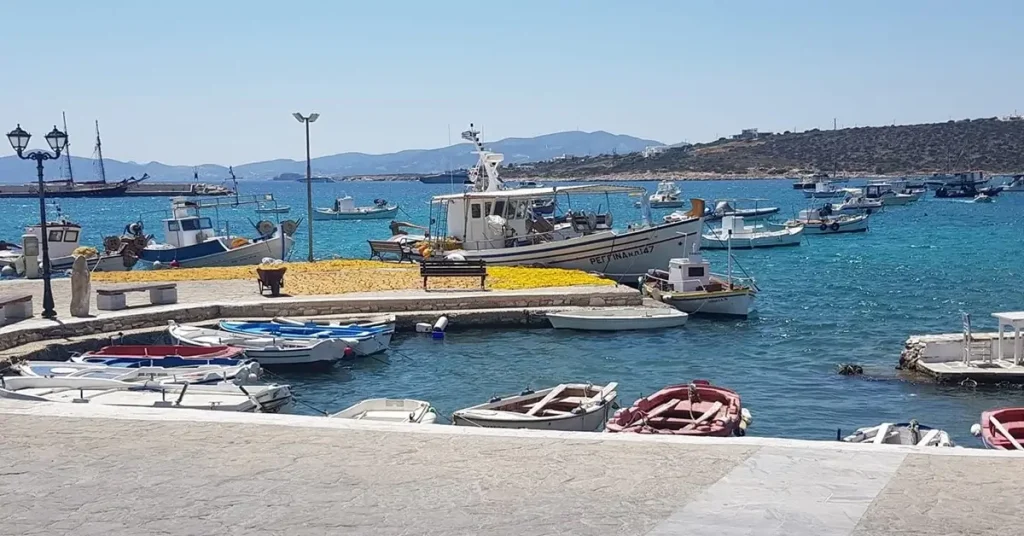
[1001, 429]
[168, 350]
[401, 410]
[904, 433]
[274, 210]
[70, 389]
[267, 351]
[618, 318]
[195, 373]
[345, 209]
[362, 340]
[734, 234]
[695, 409]
[567, 407]
[729, 207]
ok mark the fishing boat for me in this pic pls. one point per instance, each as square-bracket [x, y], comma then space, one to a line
[668, 195]
[530, 184]
[494, 224]
[824, 221]
[244, 372]
[190, 240]
[1015, 184]
[284, 209]
[62, 239]
[807, 183]
[267, 351]
[456, 176]
[383, 321]
[362, 340]
[855, 202]
[689, 286]
[1001, 429]
[345, 209]
[570, 407]
[147, 351]
[735, 234]
[617, 318]
[905, 433]
[694, 409]
[972, 179]
[884, 192]
[105, 391]
[823, 189]
[400, 410]
[729, 207]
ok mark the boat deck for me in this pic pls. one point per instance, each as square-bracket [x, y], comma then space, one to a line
[337, 476]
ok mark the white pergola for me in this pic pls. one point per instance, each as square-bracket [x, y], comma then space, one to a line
[1014, 320]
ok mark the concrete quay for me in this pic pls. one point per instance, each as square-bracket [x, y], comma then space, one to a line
[942, 357]
[83, 470]
[201, 301]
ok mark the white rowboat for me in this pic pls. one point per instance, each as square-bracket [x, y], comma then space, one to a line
[618, 318]
[400, 410]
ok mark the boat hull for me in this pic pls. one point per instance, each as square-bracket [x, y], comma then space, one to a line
[858, 224]
[266, 351]
[633, 319]
[457, 177]
[212, 253]
[753, 214]
[323, 214]
[622, 257]
[738, 303]
[762, 240]
[667, 204]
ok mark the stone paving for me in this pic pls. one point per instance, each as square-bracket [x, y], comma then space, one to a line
[79, 469]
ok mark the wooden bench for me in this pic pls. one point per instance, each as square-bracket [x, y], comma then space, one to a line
[112, 298]
[379, 248]
[15, 306]
[446, 268]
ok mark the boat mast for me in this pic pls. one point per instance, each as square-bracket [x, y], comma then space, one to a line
[99, 154]
[67, 150]
[728, 253]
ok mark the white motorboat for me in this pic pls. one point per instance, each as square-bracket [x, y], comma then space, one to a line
[1015, 184]
[910, 433]
[972, 179]
[72, 389]
[823, 189]
[824, 221]
[191, 242]
[193, 374]
[617, 318]
[884, 192]
[668, 195]
[982, 198]
[401, 410]
[496, 225]
[267, 351]
[689, 286]
[735, 234]
[345, 209]
[570, 407]
[856, 203]
[62, 240]
[729, 207]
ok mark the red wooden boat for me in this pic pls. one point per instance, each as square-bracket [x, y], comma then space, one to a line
[1011, 420]
[694, 409]
[166, 350]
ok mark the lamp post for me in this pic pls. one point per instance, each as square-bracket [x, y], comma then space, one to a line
[57, 141]
[311, 118]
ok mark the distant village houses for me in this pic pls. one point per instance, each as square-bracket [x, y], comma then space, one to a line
[654, 150]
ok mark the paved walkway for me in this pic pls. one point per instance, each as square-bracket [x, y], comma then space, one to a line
[79, 469]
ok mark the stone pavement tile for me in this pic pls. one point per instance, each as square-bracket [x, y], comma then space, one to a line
[787, 492]
[180, 477]
[939, 495]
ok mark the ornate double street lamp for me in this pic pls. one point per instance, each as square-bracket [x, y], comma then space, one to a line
[57, 141]
[311, 118]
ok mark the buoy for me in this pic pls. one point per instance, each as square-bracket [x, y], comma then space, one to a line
[157, 265]
[440, 325]
[423, 327]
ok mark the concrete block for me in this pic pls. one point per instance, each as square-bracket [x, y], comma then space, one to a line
[17, 311]
[163, 296]
[110, 302]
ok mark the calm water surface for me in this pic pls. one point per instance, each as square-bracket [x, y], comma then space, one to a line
[835, 299]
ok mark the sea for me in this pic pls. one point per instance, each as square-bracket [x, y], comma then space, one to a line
[837, 299]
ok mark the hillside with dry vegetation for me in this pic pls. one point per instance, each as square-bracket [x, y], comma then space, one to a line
[992, 145]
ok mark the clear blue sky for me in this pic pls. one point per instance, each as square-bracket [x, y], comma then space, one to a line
[215, 81]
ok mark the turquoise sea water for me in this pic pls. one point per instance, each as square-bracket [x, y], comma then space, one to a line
[835, 299]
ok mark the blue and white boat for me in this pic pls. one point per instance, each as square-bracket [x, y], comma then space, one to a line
[191, 242]
[362, 340]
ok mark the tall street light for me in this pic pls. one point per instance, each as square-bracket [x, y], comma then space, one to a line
[57, 141]
[311, 118]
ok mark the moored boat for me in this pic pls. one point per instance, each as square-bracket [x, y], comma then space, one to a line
[168, 350]
[267, 351]
[668, 195]
[1001, 429]
[729, 207]
[345, 209]
[62, 240]
[401, 410]
[1015, 184]
[362, 340]
[824, 221]
[197, 372]
[887, 194]
[910, 433]
[575, 407]
[689, 286]
[694, 409]
[735, 234]
[617, 318]
[457, 176]
[855, 202]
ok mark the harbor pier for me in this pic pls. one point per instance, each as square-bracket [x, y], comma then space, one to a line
[83, 469]
[948, 358]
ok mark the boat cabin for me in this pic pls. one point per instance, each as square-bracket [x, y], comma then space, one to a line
[186, 227]
[689, 274]
[345, 204]
[62, 237]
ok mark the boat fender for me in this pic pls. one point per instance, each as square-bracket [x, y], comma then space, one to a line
[423, 327]
[835, 226]
[440, 325]
[823, 227]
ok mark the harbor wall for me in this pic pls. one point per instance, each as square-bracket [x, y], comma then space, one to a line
[947, 347]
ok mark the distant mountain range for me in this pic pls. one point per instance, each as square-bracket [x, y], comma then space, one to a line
[516, 150]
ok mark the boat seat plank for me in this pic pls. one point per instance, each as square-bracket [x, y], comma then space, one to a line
[715, 408]
[881, 433]
[663, 408]
[928, 438]
[1006, 433]
[557, 413]
[608, 389]
[546, 400]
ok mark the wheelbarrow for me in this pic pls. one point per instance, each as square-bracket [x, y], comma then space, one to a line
[271, 279]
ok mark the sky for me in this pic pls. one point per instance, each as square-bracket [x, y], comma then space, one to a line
[191, 82]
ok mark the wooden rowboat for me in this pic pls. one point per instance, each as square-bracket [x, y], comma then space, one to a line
[568, 407]
[694, 409]
[1002, 429]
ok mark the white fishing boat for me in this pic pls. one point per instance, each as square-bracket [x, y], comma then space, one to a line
[71, 389]
[569, 407]
[401, 410]
[190, 240]
[496, 225]
[910, 433]
[730, 207]
[689, 286]
[887, 194]
[668, 195]
[267, 351]
[63, 238]
[855, 202]
[735, 234]
[284, 209]
[824, 221]
[823, 189]
[194, 374]
[345, 209]
[617, 318]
